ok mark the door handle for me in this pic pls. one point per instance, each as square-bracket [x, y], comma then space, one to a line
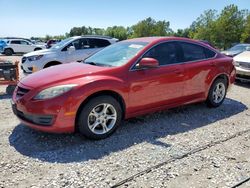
[178, 71]
[212, 64]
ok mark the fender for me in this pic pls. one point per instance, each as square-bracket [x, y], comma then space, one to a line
[96, 84]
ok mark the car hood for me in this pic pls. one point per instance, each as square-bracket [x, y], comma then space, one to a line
[231, 52]
[39, 52]
[243, 57]
[61, 73]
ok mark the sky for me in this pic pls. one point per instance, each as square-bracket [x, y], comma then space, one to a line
[26, 18]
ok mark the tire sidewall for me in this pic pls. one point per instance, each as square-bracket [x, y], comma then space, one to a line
[210, 100]
[8, 52]
[82, 122]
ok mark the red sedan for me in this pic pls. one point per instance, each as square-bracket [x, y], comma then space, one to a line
[124, 80]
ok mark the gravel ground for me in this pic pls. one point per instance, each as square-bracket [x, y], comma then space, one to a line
[190, 146]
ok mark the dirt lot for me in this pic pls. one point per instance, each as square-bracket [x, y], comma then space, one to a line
[191, 146]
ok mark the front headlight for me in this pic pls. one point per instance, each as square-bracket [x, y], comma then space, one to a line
[236, 63]
[35, 57]
[54, 91]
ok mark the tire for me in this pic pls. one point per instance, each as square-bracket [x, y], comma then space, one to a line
[10, 89]
[103, 122]
[8, 52]
[37, 49]
[217, 93]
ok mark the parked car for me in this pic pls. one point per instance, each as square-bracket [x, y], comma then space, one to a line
[237, 49]
[123, 80]
[71, 49]
[2, 45]
[242, 64]
[20, 46]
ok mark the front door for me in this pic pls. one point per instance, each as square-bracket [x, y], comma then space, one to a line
[155, 87]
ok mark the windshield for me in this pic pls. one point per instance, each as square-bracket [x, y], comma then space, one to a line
[117, 54]
[61, 44]
[238, 48]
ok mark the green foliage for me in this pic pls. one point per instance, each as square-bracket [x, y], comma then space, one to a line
[118, 32]
[245, 36]
[220, 29]
[150, 27]
[78, 31]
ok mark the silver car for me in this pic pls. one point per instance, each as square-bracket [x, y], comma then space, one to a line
[237, 49]
[242, 65]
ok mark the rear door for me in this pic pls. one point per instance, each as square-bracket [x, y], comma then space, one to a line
[26, 46]
[199, 63]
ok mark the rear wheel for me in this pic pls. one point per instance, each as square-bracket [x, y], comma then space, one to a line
[217, 93]
[99, 117]
[8, 51]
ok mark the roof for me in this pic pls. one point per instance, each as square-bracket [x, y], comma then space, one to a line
[159, 39]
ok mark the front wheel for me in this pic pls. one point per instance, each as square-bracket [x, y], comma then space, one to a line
[217, 93]
[99, 117]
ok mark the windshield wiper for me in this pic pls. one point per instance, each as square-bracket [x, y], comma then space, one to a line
[90, 63]
[98, 64]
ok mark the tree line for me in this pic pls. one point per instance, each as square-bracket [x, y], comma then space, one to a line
[222, 29]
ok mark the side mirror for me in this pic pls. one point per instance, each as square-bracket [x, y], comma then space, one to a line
[148, 63]
[71, 49]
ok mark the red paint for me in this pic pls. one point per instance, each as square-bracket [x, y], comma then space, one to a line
[143, 91]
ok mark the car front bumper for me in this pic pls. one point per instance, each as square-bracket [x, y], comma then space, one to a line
[30, 66]
[242, 74]
[53, 115]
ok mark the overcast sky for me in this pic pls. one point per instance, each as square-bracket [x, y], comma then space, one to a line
[26, 18]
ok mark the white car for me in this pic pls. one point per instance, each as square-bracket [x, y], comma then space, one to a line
[69, 50]
[21, 46]
[242, 65]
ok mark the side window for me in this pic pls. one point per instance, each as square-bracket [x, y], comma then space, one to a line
[23, 42]
[192, 52]
[98, 43]
[15, 42]
[78, 44]
[165, 53]
[209, 53]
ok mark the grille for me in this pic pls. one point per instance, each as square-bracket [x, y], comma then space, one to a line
[21, 91]
[43, 120]
[24, 59]
[244, 65]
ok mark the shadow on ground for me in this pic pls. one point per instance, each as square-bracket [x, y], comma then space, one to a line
[243, 84]
[66, 148]
[5, 96]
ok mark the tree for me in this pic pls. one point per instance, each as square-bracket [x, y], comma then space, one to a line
[204, 27]
[230, 26]
[149, 27]
[183, 33]
[245, 36]
[118, 32]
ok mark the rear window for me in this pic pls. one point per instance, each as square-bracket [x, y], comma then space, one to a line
[209, 53]
[192, 52]
[98, 43]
